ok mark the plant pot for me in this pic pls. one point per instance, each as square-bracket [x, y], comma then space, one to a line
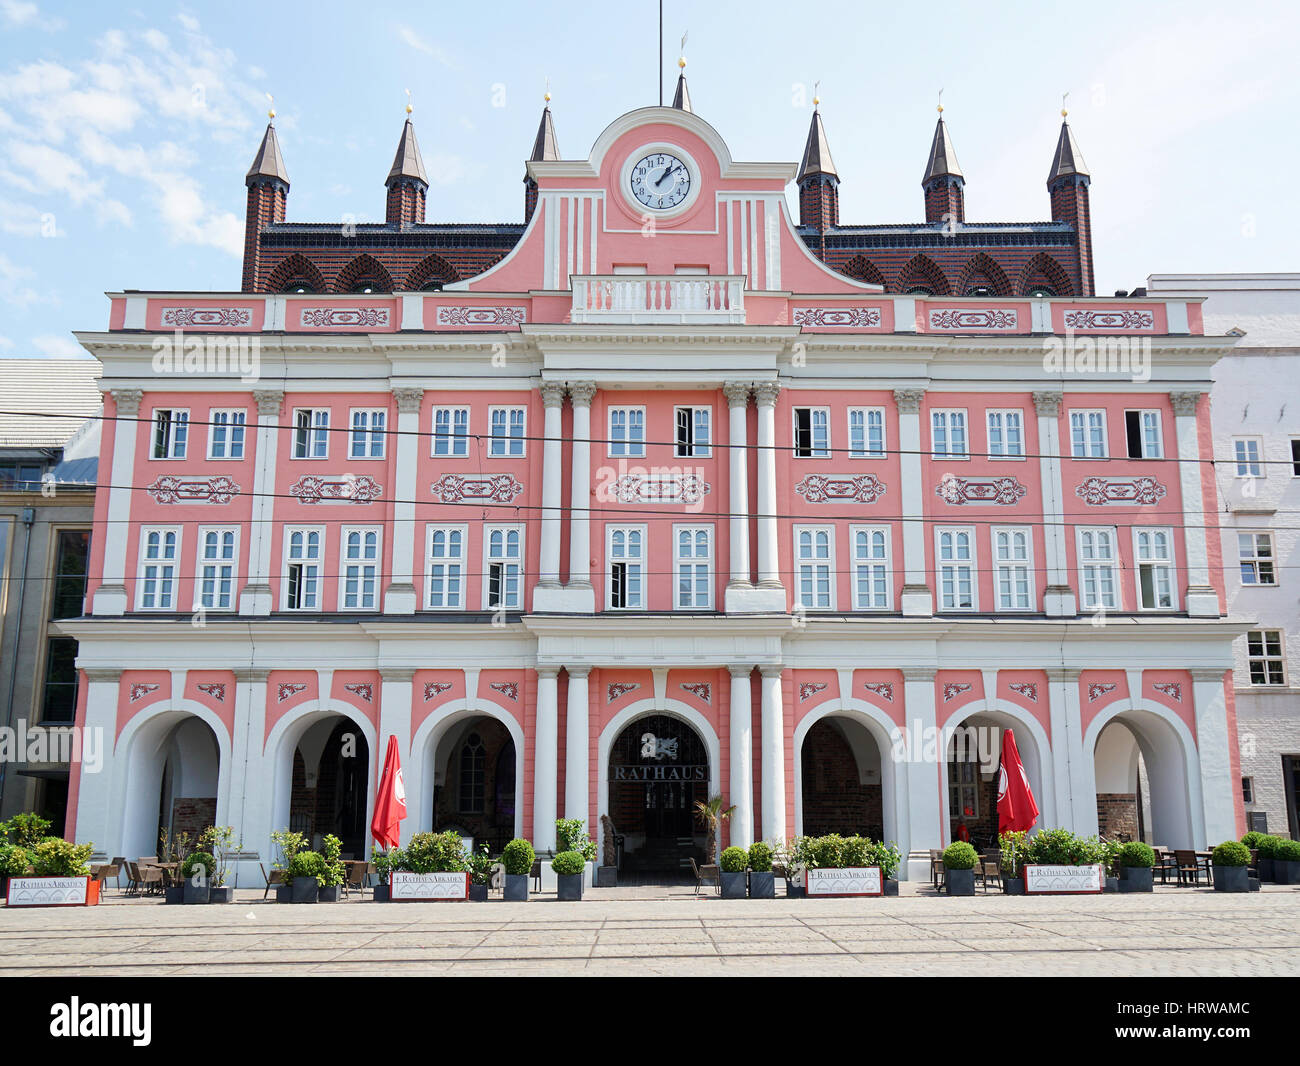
[328, 894]
[1013, 886]
[606, 877]
[304, 890]
[960, 882]
[174, 894]
[1110, 884]
[733, 885]
[478, 893]
[383, 894]
[284, 893]
[793, 891]
[568, 887]
[762, 884]
[224, 894]
[1286, 873]
[1136, 879]
[192, 893]
[1266, 871]
[891, 886]
[1231, 879]
[516, 890]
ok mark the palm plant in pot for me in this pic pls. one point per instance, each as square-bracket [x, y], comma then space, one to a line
[734, 863]
[517, 857]
[762, 882]
[1231, 859]
[1136, 861]
[569, 867]
[959, 860]
[710, 814]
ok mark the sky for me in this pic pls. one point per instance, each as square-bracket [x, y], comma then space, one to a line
[126, 129]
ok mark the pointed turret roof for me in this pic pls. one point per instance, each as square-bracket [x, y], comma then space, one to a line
[943, 160]
[682, 97]
[545, 146]
[407, 162]
[1068, 160]
[817, 152]
[268, 163]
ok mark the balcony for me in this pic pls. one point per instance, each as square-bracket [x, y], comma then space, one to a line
[677, 299]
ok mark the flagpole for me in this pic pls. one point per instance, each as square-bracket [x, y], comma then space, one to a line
[661, 53]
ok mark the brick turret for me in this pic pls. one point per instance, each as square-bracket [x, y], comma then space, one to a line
[407, 183]
[1067, 183]
[819, 194]
[943, 182]
[268, 196]
[545, 147]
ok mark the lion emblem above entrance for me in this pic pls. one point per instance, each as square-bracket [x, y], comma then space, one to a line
[653, 747]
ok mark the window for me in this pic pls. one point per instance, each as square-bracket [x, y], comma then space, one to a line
[218, 555]
[1088, 434]
[366, 441]
[159, 550]
[451, 431]
[1246, 450]
[1295, 456]
[20, 475]
[311, 433]
[446, 568]
[473, 757]
[1142, 434]
[1155, 569]
[226, 434]
[171, 428]
[627, 431]
[694, 557]
[693, 437]
[626, 554]
[814, 564]
[507, 426]
[956, 551]
[1013, 569]
[359, 589]
[1264, 654]
[71, 558]
[504, 567]
[964, 788]
[1097, 565]
[870, 569]
[1247, 790]
[948, 434]
[812, 433]
[1006, 434]
[866, 432]
[1256, 553]
[302, 553]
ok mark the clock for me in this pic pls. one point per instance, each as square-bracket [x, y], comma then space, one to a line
[660, 181]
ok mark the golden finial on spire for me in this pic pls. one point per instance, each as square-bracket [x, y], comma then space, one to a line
[1064, 112]
[270, 111]
[939, 106]
[816, 95]
[681, 59]
[409, 106]
[547, 95]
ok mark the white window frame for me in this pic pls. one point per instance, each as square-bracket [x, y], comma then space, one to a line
[1293, 454]
[814, 452]
[871, 563]
[502, 446]
[459, 562]
[1265, 658]
[1084, 413]
[317, 434]
[143, 562]
[1257, 462]
[638, 560]
[175, 445]
[1144, 413]
[371, 434]
[629, 447]
[236, 432]
[813, 564]
[1000, 565]
[1254, 558]
[202, 562]
[956, 565]
[866, 451]
[318, 561]
[1003, 413]
[948, 415]
[1111, 564]
[694, 449]
[361, 562]
[457, 444]
[1169, 564]
[693, 561]
[505, 528]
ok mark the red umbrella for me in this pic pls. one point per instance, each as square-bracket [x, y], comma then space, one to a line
[1016, 807]
[390, 800]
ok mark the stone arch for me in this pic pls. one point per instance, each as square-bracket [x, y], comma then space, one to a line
[920, 271]
[1043, 270]
[860, 268]
[982, 269]
[361, 268]
[293, 272]
[432, 267]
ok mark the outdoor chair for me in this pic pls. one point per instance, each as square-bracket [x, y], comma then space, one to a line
[120, 862]
[936, 868]
[1189, 869]
[276, 878]
[132, 879]
[104, 872]
[355, 877]
[1164, 864]
[536, 874]
[151, 879]
[709, 873]
[990, 865]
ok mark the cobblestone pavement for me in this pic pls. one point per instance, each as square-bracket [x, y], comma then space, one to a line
[626, 932]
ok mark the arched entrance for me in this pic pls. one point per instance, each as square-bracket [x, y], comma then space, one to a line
[842, 782]
[174, 770]
[658, 769]
[1143, 789]
[331, 772]
[475, 782]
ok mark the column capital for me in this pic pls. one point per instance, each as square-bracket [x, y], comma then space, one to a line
[552, 393]
[919, 673]
[580, 671]
[737, 393]
[771, 669]
[766, 392]
[269, 401]
[397, 673]
[548, 672]
[908, 401]
[1184, 403]
[1064, 674]
[252, 673]
[103, 673]
[581, 392]
[741, 671]
[127, 401]
[1208, 673]
[409, 398]
[1048, 403]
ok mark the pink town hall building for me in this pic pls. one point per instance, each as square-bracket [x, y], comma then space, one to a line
[654, 497]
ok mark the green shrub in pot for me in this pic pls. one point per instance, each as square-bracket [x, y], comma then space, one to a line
[197, 871]
[1252, 839]
[1286, 862]
[733, 863]
[762, 882]
[518, 858]
[826, 853]
[1135, 862]
[26, 830]
[302, 873]
[571, 835]
[56, 857]
[760, 856]
[959, 860]
[330, 879]
[1231, 853]
[434, 853]
[570, 868]
[857, 851]
[887, 857]
[1231, 859]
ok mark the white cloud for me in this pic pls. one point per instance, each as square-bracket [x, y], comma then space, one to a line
[13, 283]
[55, 346]
[5, 344]
[421, 45]
[42, 170]
[24, 13]
[20, 220]
[112, 212]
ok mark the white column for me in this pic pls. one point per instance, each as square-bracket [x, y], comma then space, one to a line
[255, 598]
[110, 596]
[769, 570]
[1218, 793]
[577, 745]
[773, 755]
[98, 819]
[552, 477]
[1059, 600]
[1202, 600]
[1072, 767]
[581, 393]
[248, 806]
[738, 482]
[741, 729]
[924, 812]
[401, 596]
[545, 758]
[917, 600]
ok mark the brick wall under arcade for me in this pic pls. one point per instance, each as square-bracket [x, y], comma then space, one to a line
[834, 798]
[1117, 816]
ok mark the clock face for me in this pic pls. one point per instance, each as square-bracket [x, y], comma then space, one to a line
[660, 181]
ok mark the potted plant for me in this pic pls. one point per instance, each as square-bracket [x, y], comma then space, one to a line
[889, 859]
[219, 842]
[569, 867]
[517, 857]
[571, 835]
[1135, 863]
[385, 860]
[762, 882]
[1262, 844]
[14, 862]
[196, 877]
[1231, 858]
[842, 866]
[1286, 862]
[711, 814]
[330, 879]
[795, 861]
[959, 860]
[305, 869]
[1057, 861]
[733, 863]
[434, 867]
[1014, 845]
[607, 875]
[480, 874]
[60, 876]
[289, 842]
